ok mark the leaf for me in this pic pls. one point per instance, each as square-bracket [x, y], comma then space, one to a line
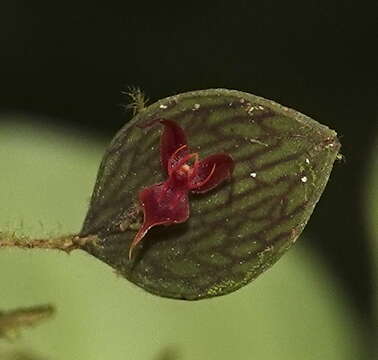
[282, 163]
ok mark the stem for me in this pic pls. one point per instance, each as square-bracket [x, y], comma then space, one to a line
[65, 243]
[22, 317]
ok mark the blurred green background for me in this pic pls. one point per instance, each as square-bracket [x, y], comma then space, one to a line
[62, 70]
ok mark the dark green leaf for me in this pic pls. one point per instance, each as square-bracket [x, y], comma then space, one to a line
[282, 163]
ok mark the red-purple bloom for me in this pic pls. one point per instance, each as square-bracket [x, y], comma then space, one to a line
[167, 202]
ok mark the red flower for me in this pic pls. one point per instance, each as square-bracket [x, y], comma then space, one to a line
[167, 202]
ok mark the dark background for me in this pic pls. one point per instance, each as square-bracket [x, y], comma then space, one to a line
[318, 57]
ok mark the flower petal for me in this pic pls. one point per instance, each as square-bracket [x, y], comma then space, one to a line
[172, 139]
[210, 172]
[161, 204]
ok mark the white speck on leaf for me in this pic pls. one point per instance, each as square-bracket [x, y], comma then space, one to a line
[304, 179]
[255, 141]
[253, 174]
[162, 106]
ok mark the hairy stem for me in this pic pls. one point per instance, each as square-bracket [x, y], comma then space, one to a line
[65, 243]
[13, 320]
